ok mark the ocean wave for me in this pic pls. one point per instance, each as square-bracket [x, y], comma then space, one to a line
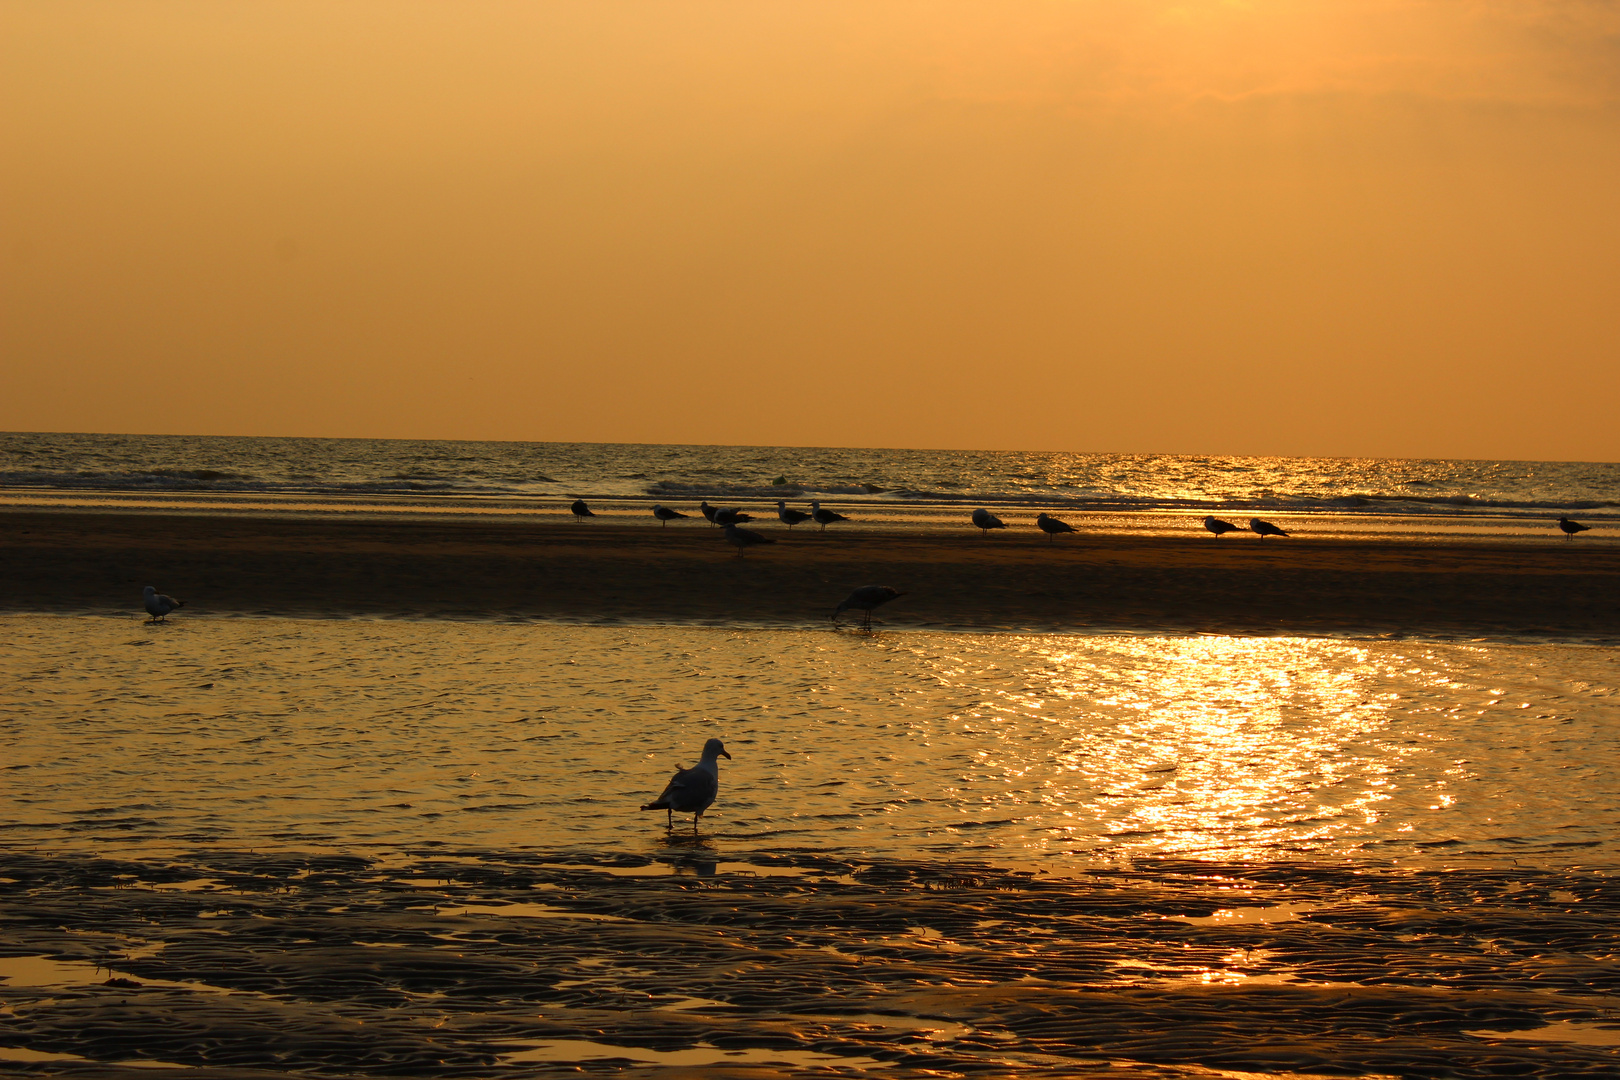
[137, 480]
[679, 490]
[205, 467]
[419, 483]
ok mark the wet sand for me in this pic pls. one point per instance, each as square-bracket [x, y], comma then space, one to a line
[375, 566]
[469, 963]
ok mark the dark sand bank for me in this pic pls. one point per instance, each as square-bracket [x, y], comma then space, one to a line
[481, 964]
[375, 566]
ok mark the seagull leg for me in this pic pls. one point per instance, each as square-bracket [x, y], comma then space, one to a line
[669, 824]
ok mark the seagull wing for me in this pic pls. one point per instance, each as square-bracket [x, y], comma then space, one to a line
[688, 791]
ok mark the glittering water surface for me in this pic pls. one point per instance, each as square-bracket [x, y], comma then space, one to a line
[224, 472]
[312, 734]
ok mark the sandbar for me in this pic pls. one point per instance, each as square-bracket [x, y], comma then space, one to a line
[376, 566]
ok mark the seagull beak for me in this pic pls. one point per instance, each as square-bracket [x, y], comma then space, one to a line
[728, 756]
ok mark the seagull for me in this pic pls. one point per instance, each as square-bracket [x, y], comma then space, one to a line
[986, 521]
[692, 791]
[790, 518]
[824, 518]
[745, 538]
[1265, 529]
[731, 517]
[158, 605]
[666, 515]
[1051, 526]
[707, 511]
[865, 599]
[1571, 527]
[1217, 526]
[580, 510]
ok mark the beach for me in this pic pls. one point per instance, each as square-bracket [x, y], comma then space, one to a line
[1133, 806]
[373, 565]
[477, 963]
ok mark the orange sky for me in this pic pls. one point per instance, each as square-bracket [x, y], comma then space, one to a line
[1359, 227]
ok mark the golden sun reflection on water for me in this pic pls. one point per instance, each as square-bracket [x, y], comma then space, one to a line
[1203, 744]
[278, 732]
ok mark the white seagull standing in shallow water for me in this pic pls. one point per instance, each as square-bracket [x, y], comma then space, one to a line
[1265, 529]
[666, 515]
[692, 791]
[789, 518]
[1571, 528]
[158, 605]
[986, 521]
[824, 518]
[1217, 526]
[864, 599]
[1051, 526]
[745, 538]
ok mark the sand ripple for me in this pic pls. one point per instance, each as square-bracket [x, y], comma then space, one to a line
[471, 963]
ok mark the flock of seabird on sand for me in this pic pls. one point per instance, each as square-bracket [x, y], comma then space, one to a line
[692, 791]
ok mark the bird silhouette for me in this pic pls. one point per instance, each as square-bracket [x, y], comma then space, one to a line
[157, 605]
[745, 538]
[790, 518]
[824, 518]
[580, 510]
[731, 517]
[707, 511]
[1571, 527]
[864, 599]
[1265, 528]
[1051, 526]
[666, 515]
[692, 791]
[1219, 527]
[986, 521]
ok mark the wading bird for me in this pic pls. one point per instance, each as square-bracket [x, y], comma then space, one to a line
[692, 791]
[986, 521]
[790, 518]
[864, 599]
[666, 515]
[1051, 526]
[745, 538]
[1571, 527]
[731, 517]
[707, 511]
[1265, 528]
[1219, 527]
[580, 510]
[824, 518]
[157, 605]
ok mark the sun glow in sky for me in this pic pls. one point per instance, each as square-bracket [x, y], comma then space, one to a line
[1359, 227]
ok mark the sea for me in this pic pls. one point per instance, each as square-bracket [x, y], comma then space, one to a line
[352, 847]
[881, 488]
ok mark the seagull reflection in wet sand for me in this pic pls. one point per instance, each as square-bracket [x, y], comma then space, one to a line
[692, 791]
